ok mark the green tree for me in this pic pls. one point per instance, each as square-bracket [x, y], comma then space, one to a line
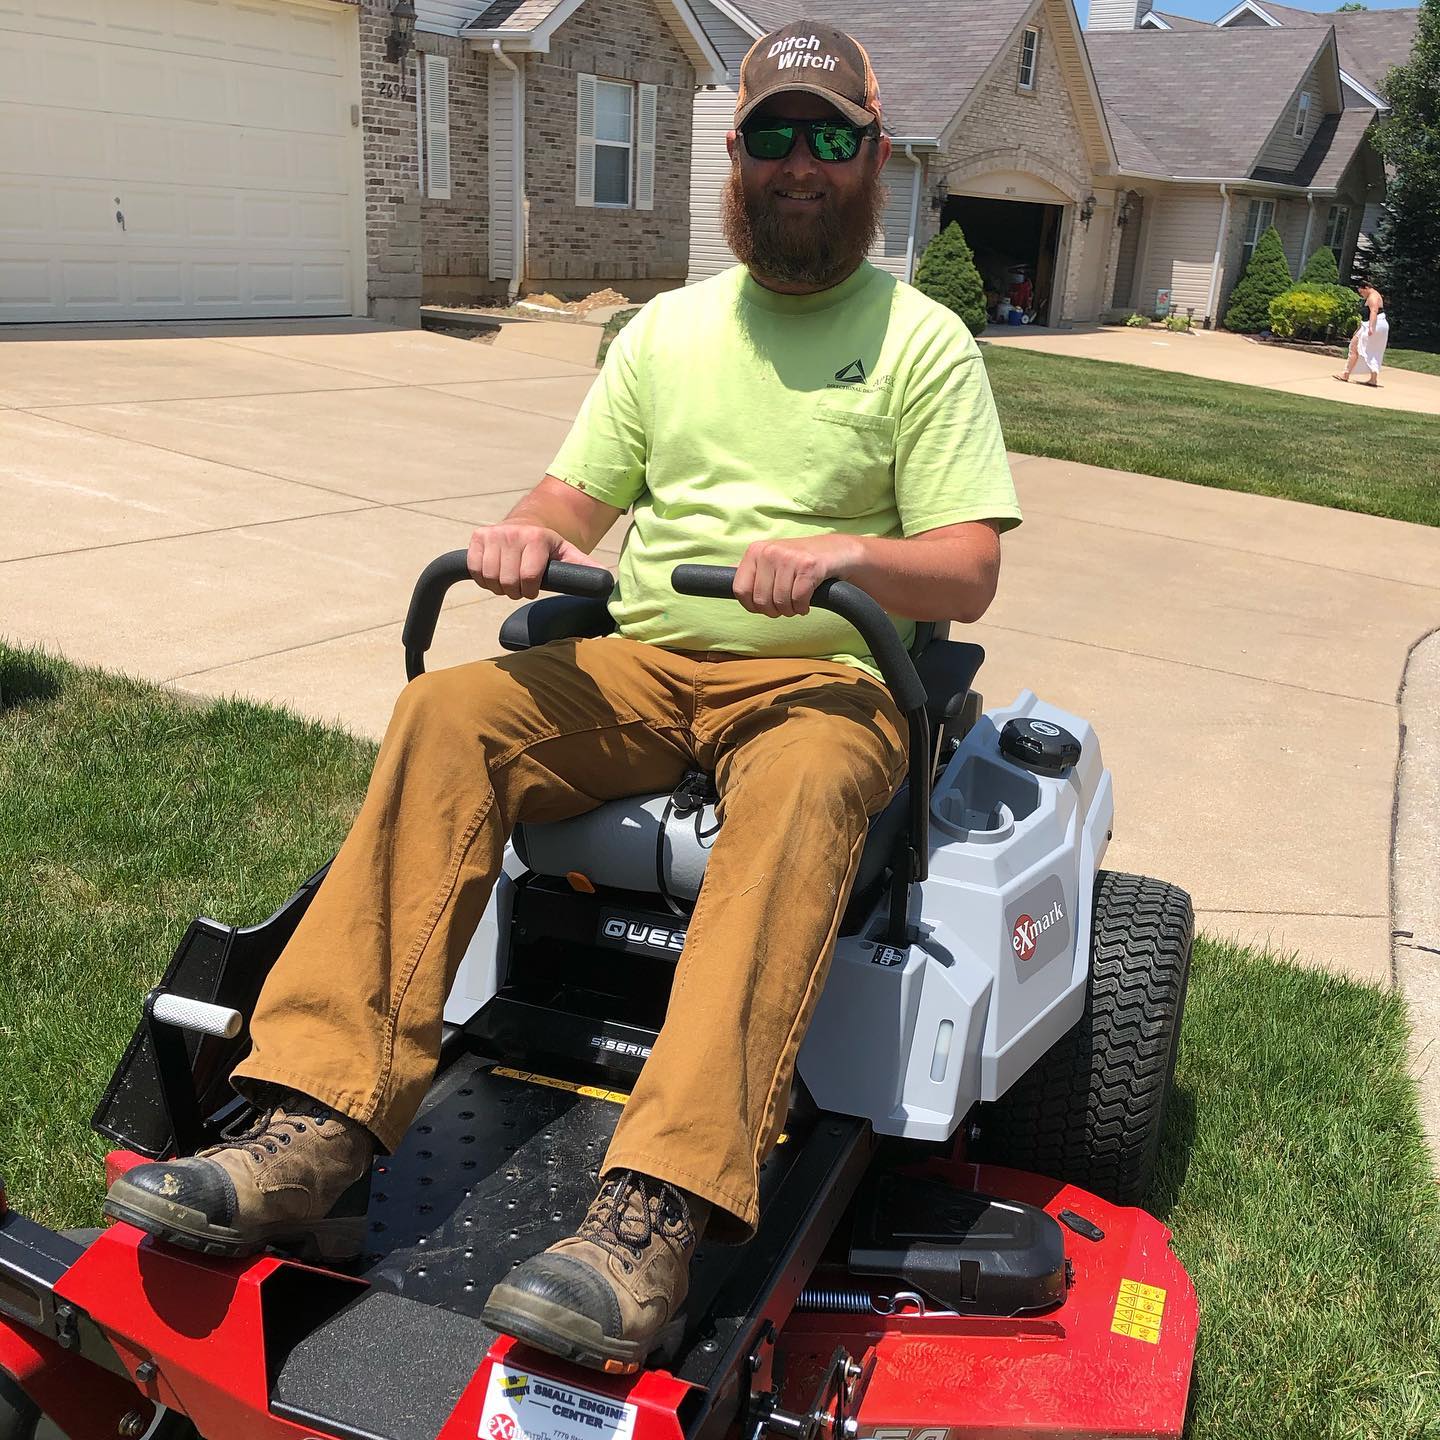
[1406, 266]
[1350, 5]
[1320, 269]
[1266, 276]
[947, 274]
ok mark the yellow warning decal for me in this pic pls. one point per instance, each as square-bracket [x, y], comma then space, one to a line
[1138, 1311]
[591, 1092]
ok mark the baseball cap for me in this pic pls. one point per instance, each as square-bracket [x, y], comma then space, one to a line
[817, 59]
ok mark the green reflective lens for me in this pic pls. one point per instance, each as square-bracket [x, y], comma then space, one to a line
[834, 142]
[772, 142]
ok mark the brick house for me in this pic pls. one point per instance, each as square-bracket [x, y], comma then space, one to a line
[995, 121]
[245, 158]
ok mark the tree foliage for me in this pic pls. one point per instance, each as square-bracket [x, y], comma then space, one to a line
[1406, 267]
[1320, 269]
[947, 274]
[1266, 276]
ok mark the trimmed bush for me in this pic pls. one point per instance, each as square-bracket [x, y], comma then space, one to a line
[1320, 269]
[1266, 276]
[947, 274]
[1315, 312]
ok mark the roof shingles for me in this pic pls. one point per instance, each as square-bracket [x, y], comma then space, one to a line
[1215, 123]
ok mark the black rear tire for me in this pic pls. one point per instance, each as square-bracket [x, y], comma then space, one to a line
[1091, 1110]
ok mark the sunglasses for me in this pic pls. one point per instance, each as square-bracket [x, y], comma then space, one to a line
[833, 141]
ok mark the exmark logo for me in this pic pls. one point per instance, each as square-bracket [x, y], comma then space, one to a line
[1038, 924]
[1028, 930]
[794, 53]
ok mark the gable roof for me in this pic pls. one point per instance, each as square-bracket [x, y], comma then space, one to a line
[1162, 20]
[1237, 84]
[1370, 41]
[1328, 156]
[529, 24]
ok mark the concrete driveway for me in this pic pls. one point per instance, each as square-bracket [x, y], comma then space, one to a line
[245, 508]
[1218, 355]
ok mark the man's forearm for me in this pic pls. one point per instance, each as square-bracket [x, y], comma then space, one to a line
[553, 504]
[927, 579]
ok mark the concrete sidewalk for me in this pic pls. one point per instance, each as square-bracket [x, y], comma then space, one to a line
[245, 509]
[1219, 355]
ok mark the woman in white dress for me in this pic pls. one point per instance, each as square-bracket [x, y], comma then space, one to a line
[1367, 344]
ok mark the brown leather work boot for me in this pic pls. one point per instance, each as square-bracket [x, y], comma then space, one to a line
[609, 1296]
[297, 1179]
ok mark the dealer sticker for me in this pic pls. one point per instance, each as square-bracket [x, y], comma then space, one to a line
[520, 1406]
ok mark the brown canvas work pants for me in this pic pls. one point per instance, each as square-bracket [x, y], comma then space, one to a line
[803, 753]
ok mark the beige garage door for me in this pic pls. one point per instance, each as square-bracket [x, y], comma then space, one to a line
[167, 159]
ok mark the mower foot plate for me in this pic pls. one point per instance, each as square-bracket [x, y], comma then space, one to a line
[559, 1330]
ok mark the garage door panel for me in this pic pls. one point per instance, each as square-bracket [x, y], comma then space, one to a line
[220, 131]
[263, 32]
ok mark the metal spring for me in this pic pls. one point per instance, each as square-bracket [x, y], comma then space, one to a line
[836, 1300]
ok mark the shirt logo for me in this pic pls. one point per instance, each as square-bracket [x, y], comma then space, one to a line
[851, 374]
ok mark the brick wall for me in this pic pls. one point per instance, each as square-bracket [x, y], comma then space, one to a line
[574, 249]
[392, 194]
[455, 233]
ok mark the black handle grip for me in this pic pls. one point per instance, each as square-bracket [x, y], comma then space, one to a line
[450, 569]
[840, 597]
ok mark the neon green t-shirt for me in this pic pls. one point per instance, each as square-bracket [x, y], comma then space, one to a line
[726, 413]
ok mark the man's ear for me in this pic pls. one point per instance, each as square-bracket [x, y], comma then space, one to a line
[730, 143]
[883, 147]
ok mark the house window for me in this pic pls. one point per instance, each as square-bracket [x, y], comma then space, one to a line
[614, 141]
[1029, 49]
[1262, 215]
[1302, 114]
[1335, 225]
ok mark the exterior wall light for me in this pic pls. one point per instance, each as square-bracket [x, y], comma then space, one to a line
[1087, 210]
[1122, 215]
[401, 39]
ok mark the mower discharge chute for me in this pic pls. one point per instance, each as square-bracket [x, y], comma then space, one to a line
[948, 1246]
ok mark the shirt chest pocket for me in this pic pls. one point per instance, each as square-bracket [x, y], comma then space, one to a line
[849, 468]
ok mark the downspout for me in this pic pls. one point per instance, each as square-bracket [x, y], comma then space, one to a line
[1215, 264]
[517, 170]
[1309, 222]
[919, 165]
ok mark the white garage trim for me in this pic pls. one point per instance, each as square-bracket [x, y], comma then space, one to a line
[172, 159]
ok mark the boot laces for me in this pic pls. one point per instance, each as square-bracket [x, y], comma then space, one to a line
[623, 1228]
[264, 1135]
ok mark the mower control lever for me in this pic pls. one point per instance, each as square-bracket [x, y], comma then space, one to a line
[450, 569]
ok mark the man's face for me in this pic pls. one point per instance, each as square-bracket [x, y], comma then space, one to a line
[799, 221]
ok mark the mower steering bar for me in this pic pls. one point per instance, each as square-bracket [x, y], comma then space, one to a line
[450, 569]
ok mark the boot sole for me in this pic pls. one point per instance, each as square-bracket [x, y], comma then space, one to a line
[318, 1240]
[573, 1336]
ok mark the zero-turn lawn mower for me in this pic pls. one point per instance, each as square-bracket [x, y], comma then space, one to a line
[949, 1244]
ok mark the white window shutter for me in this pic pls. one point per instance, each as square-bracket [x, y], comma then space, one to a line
[645, 150]
[437, 126]
[585, 140]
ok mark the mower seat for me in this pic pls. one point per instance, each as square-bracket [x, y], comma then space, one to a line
[619, 844]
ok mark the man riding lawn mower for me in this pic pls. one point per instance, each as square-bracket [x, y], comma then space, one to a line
[427, 1040]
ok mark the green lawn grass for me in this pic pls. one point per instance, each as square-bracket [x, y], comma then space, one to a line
[1426, 361]
[1213, 432]
[1293, 1171]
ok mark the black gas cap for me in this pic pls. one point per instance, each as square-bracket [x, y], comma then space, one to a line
[1039, 745]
